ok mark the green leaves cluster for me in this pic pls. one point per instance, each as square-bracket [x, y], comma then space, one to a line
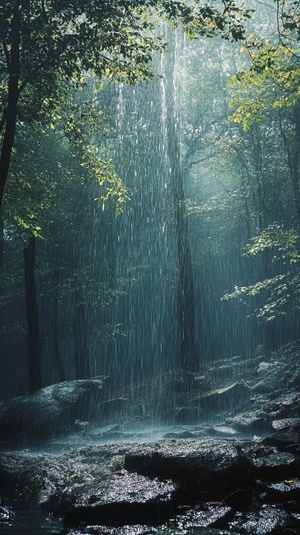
[282, 290]
[273, 76]
[273, 79]
[49, 47]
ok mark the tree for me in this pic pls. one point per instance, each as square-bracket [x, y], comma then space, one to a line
[283, 289]
[46, 43]
[33, 336]
[266, 98]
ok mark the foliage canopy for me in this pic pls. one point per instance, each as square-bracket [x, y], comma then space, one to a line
[44, 45]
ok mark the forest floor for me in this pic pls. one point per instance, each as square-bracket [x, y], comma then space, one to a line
[216, 450]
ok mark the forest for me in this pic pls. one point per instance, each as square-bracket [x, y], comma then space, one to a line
[149, 267]
[150, 181]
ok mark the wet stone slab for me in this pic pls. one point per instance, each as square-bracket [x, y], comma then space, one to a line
[211, 467]
[266, 521]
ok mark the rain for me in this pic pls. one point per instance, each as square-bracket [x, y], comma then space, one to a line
[144, 252]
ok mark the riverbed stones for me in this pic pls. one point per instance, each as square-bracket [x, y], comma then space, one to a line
[221, 481]
[216, 463]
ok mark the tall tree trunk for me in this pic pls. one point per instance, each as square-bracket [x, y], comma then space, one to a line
[80, 338]
[1, 241]
[57, 354]
[33, 337]
[188, 352]
[10, 113]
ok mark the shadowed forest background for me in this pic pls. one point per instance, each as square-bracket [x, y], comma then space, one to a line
[133, 206]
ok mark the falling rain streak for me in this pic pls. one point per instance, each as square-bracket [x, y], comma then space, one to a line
[134, 295]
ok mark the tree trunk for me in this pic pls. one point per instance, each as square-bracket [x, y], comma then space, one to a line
[33, 338]
[10, 113]
[1, 241]
[80, 338]
[57, 354]
[188, 352]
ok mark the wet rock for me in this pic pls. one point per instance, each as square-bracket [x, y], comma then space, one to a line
[26, 479]
[276, 378]
[179, 434]
[222, 399]
[232, 370]
[223, 431]
[287, 405]
[240, 499]
[137, 529]
[263, 367]
[285, 423]
[251, 423]
[153, 512]
[286, 435]
[89, 485]
[265, 521]
[276, 465]
[284, 491]
[212, 467]
[118, 498]
[206, 515]
[36, 417]
[6, 514]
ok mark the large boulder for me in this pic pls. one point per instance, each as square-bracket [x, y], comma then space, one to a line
[286, 436]
[211, 468]
[52, 410]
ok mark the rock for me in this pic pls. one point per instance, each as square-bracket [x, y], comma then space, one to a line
[263, 367]
[179, 434]
[251, 423]
[265, 521]
[285, 423]
[275, 379]
[240, 499]
[153, 512]
[213, 468]
[223, 431]
[26, 479]
[284, 491]
[206, 515]
[286, 435]
[89, 485]
[52, 410]
[6, 514]
[276, 465]
[222, 399]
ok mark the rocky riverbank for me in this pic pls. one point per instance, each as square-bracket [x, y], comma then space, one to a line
[224, 453]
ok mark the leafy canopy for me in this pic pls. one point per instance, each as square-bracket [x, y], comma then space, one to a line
[273, 76]
[283, 289]
[48, 46]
